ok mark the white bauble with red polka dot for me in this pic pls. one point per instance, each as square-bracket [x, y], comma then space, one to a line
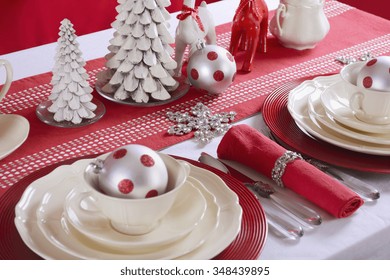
[133, 171]
[211, 68]
[375, 74]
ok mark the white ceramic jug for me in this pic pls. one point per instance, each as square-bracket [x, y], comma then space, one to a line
[8, 77]
[300, 24]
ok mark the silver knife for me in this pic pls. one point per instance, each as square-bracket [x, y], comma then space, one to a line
[300, 211]
[279, 222]
[366, 191]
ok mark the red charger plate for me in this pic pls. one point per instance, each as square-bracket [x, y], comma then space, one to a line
[247, 245]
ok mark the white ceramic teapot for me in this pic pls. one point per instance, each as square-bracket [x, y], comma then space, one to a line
[300, 24]
[8, 77]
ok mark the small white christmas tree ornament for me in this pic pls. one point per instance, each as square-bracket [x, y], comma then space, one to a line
[71, 94]
[139, 65]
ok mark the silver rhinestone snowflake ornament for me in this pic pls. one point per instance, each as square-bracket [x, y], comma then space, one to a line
[205, 125]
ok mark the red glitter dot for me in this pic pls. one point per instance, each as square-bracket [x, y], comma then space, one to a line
[147, 160]
[218, 75]
[151, 193]
[371, 62]
[194, 74]
[119, 153]
[212, 55]
[230, 56]
[367, 82]
[125, 186]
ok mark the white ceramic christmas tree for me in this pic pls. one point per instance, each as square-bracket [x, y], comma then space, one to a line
[139, 65]
[71, 93]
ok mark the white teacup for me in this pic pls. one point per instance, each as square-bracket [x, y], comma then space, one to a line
[370, 106]
[8, 77]
[136, 216]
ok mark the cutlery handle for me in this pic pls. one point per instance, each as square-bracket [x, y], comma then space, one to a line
[366, 191]
[304, 213]
[279, 223]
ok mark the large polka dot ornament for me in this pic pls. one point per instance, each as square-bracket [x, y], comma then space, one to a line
[133, 171]
[375, 74]
[211, 68]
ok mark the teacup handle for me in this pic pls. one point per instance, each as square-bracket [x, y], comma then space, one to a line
[281, 12]
[356, 101]
[73, 206]
[8, 77]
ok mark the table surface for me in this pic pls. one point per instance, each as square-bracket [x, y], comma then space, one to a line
[365, 235]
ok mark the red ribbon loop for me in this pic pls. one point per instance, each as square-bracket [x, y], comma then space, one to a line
[187, 11]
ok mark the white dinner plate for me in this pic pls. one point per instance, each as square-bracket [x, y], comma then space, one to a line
[229, 220]
[317, 111]
[224, 223]
[14, 130]
[60, 233]
[336, 103]
[298, 107]
[179, 221]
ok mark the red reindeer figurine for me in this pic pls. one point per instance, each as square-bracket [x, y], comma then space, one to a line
[249, 30]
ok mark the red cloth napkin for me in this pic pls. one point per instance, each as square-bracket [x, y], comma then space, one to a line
[246, 145]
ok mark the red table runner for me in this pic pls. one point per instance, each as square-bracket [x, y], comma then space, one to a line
[122, 124]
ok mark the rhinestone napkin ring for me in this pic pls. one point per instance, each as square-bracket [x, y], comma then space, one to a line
[281, 164]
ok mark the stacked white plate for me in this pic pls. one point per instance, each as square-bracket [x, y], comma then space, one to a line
[320, 108]
[203, 221]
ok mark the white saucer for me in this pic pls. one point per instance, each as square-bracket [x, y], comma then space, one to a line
[179, 221]
[298, 108]
[317, 111]
[336, 103]
[67, 243]
[14, 130]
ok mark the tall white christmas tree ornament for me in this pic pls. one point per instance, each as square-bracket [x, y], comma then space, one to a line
[71, 93]
[139, 64]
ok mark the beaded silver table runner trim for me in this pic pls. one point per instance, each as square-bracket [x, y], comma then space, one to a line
[201, 120]
[281, 164]
[345, 60]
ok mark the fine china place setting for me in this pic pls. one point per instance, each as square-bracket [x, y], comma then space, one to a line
[14, 129]
[323, 108]
[57, 217]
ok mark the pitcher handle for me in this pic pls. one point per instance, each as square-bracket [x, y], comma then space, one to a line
[8, 77]
[281, 11]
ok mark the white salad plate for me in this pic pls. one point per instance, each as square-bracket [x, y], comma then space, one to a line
[14, 130]
[336, 103]
[298, 107]
[53, 237]
[51, 213]
[317, 111]
[60, 233]
[89, 221]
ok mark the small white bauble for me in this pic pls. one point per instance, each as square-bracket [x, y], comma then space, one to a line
[211, 68]
[133, 171]
[375, 74]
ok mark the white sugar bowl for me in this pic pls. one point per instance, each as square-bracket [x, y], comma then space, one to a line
[300, 24]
